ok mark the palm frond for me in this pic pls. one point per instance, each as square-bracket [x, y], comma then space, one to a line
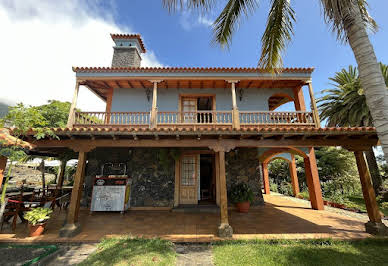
[228, 20]
[338, 13]
[278, 33]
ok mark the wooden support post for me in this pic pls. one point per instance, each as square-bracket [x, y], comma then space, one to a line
[294, 176]
[374, 226]
[265, 178]
[72, 228]
[299, 99]
[108, 107]
[70, 120]
[61, 174]
[3, 164]
[154, 110]
[314, 106]
[235, 112]
[177, 182]
[224, 230]
[217, 169]
[312, 179]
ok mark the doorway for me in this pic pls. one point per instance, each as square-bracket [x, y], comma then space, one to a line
[207, 184]
[197, 179]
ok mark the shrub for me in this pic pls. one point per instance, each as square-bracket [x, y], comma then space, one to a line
[38, 215]
[285, 188]
[241, 192]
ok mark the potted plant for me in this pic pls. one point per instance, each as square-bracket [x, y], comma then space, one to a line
[242, 195]
[37, 220]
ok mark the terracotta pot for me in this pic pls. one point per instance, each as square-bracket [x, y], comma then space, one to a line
[243, 206]
[36, 230]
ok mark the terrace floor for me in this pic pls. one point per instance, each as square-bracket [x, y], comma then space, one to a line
[281, 217]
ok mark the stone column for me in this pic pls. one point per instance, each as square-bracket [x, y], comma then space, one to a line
[71, 118]
[72, 226]
[217, 169]
[374, 226]
[299, 99]
[224, 230]
[294, 176]
[266, 178]
[3, 164]
[312, 179]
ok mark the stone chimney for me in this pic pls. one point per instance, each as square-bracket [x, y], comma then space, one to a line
[127, 50]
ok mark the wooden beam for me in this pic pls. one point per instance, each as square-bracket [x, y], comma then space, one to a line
[367, 188]
[61, 174]
[3, 164]
[71, 118]
[72, 216]
[266, 178]
[223, 190]
[129, 84]
[177, 182]
[118, 84]
[312, 179]
[294, 176]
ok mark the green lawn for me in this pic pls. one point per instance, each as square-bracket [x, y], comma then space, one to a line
[359, 203]
[132, 251]
[306, 252]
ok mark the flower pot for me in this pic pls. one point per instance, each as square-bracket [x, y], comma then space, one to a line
[243, 206]
[36, 230]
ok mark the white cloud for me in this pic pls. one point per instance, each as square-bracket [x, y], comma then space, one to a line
[189, 20]
[43, 39]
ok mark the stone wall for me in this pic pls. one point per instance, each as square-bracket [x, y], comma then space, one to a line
[242, 165]
[126, 57]
[152, 179]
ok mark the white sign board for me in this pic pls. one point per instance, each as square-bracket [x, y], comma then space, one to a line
[108, 198]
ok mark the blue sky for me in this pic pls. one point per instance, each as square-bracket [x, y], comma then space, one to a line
[313, 45]
[80, 30]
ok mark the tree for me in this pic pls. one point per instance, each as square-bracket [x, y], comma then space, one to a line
[345, 105]
[349, 21]
[22, 119]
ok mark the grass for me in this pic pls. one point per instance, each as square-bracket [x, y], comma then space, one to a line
[132, 251]
[301, 252]
[359, 203]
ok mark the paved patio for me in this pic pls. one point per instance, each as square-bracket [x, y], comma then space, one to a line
[280, 218]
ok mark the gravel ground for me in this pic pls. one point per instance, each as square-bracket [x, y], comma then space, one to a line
[194, 254]
[19, 255]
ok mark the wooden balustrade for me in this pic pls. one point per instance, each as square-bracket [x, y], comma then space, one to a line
[277, 118]
[112, 118]
[196, 117]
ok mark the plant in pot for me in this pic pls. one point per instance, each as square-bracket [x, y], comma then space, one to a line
[37, 220]
[242, 195]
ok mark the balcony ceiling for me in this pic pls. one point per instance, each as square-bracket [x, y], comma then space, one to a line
[102, 87]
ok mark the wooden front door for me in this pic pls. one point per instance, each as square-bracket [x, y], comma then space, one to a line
[189, 180]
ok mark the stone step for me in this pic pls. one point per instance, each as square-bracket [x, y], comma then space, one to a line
[197, 209]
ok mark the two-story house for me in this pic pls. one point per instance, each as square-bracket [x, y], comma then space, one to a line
[187, 135]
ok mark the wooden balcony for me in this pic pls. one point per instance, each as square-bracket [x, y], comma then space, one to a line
[142, 119]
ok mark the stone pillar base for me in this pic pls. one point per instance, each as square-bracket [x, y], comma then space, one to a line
[225, 230]
[378, 229]
[70, 230]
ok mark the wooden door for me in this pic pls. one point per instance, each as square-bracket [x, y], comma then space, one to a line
[189, 109]
[189, 180]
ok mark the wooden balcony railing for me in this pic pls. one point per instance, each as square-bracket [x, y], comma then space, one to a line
[191, 118]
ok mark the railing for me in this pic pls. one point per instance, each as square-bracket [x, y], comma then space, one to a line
[276, 118]
[197, 117]
[112, 118]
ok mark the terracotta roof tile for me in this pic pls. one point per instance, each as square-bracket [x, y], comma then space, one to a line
[130, 36]
[187, 69]
[7, 140]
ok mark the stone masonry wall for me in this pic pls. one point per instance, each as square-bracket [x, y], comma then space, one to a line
[152, 179]
[126, 57]
[242, 165]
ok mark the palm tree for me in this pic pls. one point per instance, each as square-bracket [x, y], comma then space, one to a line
[348, 19]
[345, 105]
